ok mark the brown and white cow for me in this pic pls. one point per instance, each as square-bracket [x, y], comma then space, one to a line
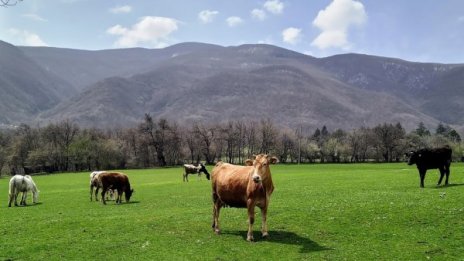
[243, 187]
[95, 183]
[194, 169]
[116, 181]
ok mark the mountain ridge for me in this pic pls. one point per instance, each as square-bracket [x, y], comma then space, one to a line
[201, 82]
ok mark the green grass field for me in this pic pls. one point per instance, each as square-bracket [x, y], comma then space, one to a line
[317, 212]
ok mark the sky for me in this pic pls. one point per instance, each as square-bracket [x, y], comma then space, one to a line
[413, 30]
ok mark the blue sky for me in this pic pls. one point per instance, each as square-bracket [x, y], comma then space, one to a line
[414, 30]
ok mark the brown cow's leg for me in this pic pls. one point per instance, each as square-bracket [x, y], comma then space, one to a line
[216, 210]
[119, 197]
[264, 224]
[103, 195]
[97, 188]
[251, 219]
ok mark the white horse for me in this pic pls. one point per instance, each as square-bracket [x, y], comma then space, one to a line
[20, 183]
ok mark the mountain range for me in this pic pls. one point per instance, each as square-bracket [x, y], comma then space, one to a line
[196, 82]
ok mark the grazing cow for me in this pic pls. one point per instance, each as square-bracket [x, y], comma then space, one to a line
[20, 183]
[243, 187]
[117, 181]
[192, 169]
[95, 183]
[425, 159]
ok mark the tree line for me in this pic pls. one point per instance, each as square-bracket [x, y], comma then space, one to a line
[64, 146]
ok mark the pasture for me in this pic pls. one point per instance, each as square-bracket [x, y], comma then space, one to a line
[317, 212]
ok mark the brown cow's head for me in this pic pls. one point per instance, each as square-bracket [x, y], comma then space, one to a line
[260, 166]
[128, 194]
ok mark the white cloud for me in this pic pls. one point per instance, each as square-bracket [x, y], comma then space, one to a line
[26, 38]
[258, 14]
[334, 22]
[151, 30]
[234, 21]
[34, 17]
[274, 6]
[207, 16]
[121, 9]
[291, 35]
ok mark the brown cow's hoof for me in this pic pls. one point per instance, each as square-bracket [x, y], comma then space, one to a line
[217, 231]
[265, 235]
[250, 239]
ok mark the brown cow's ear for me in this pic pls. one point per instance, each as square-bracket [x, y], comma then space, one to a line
[274, 160]
[249, 162]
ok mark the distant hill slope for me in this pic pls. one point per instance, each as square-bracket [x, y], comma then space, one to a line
[250, 82]
[435, 89]
[82, 68]
[26, 88]
[201, 82]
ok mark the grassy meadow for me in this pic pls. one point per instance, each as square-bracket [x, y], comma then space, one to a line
[317, 212]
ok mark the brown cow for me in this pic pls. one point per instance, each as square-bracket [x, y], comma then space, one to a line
[116, 181]
[243, 187]
[96, 183]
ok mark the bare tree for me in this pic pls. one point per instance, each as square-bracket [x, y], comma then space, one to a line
[206, 136]
[24, 141]
[268, 136]
[388, 139]
[240, 129]
[173, 144]
[229, 136]
[156, 135]
[285, 146]
[6, 3]
[192, 141]
[251, 139]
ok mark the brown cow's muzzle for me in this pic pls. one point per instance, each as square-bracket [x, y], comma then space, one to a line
[256, 178]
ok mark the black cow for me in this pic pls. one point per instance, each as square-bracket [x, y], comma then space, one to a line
[439, 158]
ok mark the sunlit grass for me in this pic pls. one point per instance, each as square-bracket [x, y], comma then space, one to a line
[317, 212]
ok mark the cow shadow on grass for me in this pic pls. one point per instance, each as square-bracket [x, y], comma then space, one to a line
[112, 202]
[448, 186]
[27, 205]
[283, 237]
